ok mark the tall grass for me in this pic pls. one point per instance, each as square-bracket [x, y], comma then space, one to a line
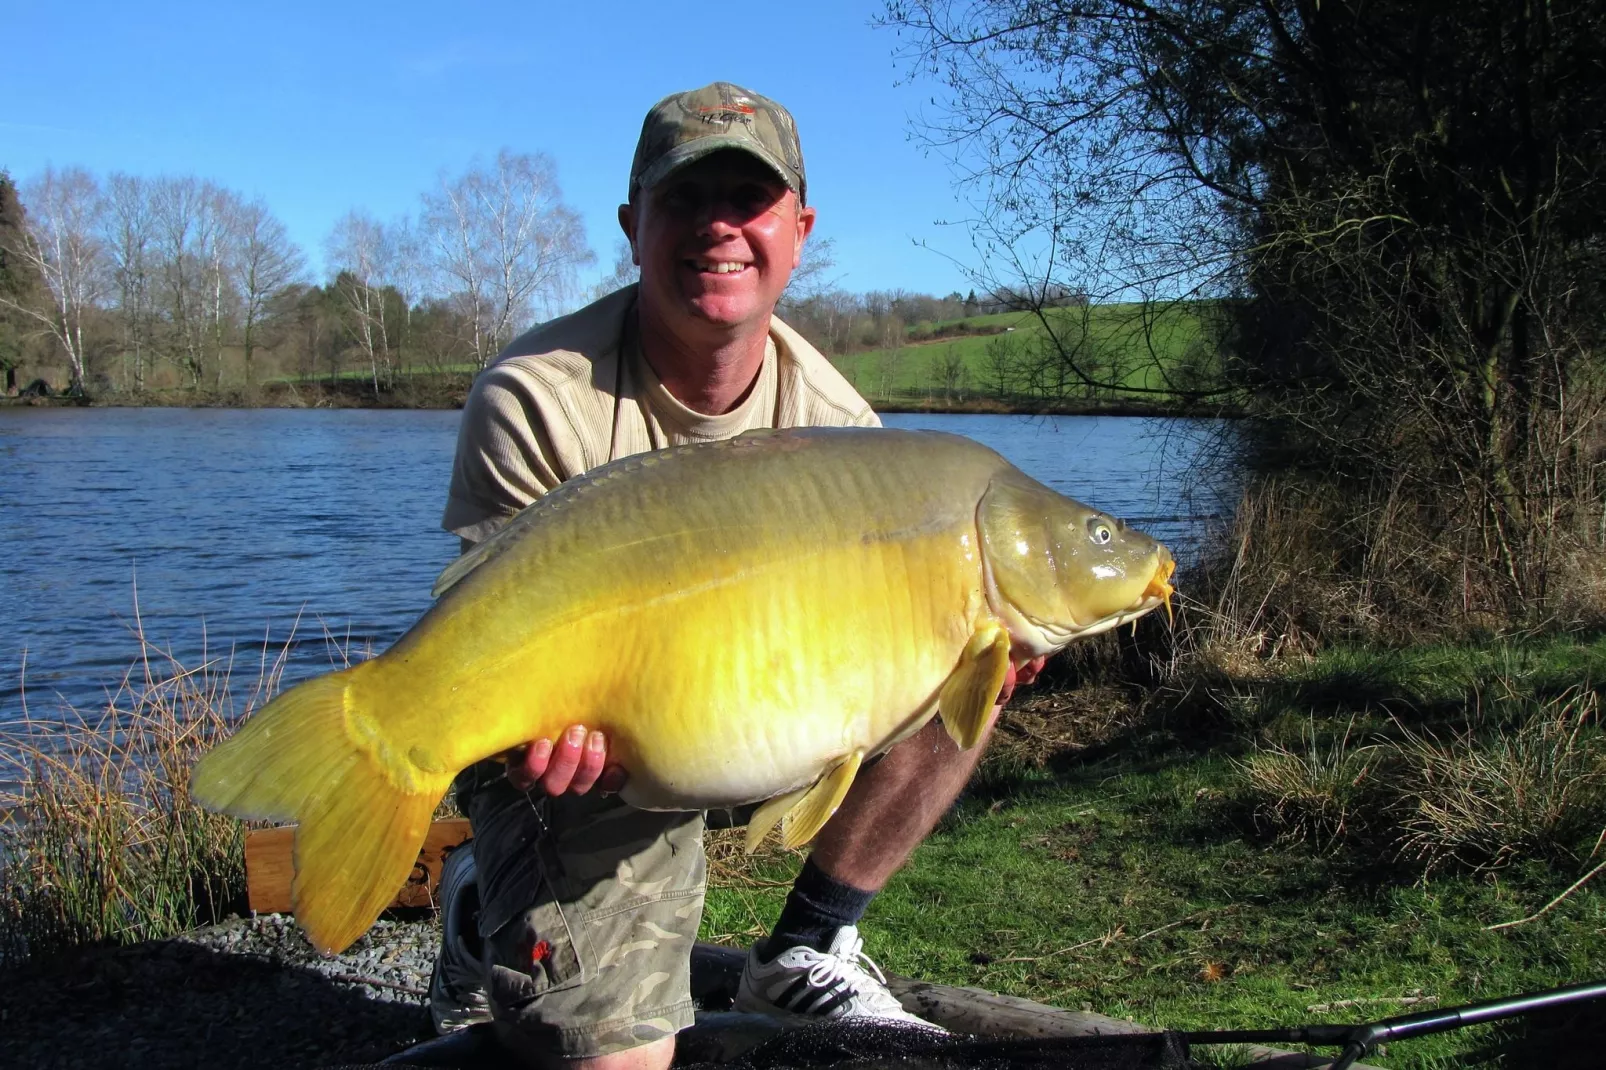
[1533, 788]
[99, 840]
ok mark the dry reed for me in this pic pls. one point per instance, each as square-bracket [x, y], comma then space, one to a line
[99, 840]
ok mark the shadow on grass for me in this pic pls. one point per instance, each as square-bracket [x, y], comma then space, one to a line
[1564, 1038]
[174, 1004]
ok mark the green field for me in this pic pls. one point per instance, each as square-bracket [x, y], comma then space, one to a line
[1135, 874]
[1124, 344]
[992, 361]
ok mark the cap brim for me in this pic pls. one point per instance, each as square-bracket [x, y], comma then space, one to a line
[692, 151]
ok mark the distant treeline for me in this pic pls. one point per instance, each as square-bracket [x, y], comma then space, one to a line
[128, 284]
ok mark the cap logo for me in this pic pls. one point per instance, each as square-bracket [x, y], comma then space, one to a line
[738, 111]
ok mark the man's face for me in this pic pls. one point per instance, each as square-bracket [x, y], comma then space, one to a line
[717, 241]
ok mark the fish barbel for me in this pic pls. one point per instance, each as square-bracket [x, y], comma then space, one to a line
[746, 620]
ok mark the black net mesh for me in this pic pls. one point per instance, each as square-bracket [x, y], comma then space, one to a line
[873, 1046]
[867, 1046]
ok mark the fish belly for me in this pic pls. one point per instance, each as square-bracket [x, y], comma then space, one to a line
[735, 632]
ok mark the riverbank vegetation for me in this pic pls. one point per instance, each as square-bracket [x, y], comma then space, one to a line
[99, 842]
[131, 291]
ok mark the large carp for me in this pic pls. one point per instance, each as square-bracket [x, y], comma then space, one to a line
[745, 620]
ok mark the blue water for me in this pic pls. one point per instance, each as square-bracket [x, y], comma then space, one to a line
[233, 525]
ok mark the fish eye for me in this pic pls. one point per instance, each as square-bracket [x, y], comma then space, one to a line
[1099, 530]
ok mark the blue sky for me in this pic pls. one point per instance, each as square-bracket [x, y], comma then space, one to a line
[322, 108]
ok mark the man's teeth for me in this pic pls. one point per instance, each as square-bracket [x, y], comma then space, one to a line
[722, 267]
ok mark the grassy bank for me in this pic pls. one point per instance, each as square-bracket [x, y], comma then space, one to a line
[994, 363]
[1213, 854]
[1002, 358]
[420, 390]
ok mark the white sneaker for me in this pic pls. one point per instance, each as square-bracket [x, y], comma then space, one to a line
[840, 982]
[456, 987]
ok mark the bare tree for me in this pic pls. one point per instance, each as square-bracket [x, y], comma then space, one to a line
[1003, 364]
[192, 285]
[507, 244]
[128, 229]
[262, 261]
[948, 368]
[625, 271]
[408, 275]
[812, 277]
[60, 245]
[362, 253]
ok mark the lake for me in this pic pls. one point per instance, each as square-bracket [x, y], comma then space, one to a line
[230, 526]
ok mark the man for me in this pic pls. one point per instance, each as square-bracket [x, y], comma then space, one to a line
[570, 921]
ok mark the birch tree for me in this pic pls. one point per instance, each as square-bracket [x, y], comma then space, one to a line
[128, 231]
[262, 261]
[58, 244]
[362, 254]
[190, 273]
[504, 242]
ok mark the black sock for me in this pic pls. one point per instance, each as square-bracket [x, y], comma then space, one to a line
[818, 906]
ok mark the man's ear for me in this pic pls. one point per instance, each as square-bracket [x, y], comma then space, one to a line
[805, 227]
[627, 223]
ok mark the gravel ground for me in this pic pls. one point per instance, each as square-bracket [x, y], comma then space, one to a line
[246, 993]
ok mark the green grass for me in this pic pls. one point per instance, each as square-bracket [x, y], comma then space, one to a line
[1139, 340]
[1134, 878]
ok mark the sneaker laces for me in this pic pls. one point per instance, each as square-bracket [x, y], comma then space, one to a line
[851, 965]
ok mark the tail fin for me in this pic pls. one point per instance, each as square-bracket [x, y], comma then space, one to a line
[359, 834]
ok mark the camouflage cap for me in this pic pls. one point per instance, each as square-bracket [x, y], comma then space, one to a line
[685, 127]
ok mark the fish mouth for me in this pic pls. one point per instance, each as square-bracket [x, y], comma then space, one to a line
[1158, 593]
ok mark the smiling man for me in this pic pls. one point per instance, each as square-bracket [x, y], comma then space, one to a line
[570, 920]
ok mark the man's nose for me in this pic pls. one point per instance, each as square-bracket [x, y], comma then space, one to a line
[718, 217]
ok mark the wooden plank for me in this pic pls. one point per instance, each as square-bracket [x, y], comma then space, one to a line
[270, 865]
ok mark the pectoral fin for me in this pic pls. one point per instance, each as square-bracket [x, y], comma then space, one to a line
[766, 817]
[971, 690]
[805, 811]
[810, 813]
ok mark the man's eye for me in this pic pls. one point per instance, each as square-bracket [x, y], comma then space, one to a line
[680, 199]
[754, 197]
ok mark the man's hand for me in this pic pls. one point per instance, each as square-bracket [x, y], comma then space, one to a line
[1023, 673]
[577, 763]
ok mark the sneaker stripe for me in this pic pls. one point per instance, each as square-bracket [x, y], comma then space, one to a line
[824, 999]
[844, 995]
[794, 993]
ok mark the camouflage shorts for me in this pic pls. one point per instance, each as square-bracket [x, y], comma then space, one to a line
[589, 910]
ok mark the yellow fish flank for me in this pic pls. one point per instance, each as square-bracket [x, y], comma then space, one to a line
[746, 620]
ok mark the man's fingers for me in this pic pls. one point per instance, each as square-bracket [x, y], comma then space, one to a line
[1008, 689]
[591, 763]
[565, 761]
[526, 765]
[1016, 675]
[577, 763]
